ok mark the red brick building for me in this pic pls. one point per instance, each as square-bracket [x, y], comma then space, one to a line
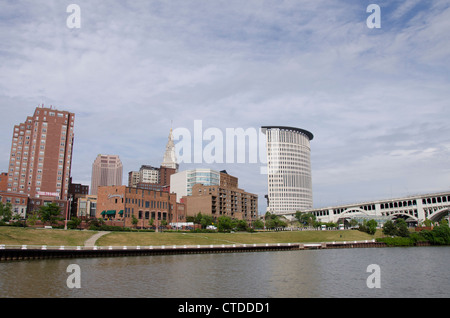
[120, 203]
[41, 154]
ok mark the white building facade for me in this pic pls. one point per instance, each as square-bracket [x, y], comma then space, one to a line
[288, 169]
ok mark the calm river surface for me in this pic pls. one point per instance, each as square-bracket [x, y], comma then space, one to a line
[404, 272]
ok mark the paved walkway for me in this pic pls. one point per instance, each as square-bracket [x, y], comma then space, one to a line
[91, 241]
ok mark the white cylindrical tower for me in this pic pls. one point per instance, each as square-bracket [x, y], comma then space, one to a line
[288, 169]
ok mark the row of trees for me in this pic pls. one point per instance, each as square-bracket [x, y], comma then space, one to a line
[398, 234]
[226, 224]
[47, 213]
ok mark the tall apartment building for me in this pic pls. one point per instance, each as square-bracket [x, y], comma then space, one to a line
[41, 154]
[289, 169]
[106, 171]
[148, 174]
[224, 199]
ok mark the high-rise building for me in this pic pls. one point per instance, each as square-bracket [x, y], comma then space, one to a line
[106, 171]
[148, 174]
[41, 154]
[288, 169]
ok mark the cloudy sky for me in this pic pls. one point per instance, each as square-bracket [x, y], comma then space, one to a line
[377, 100]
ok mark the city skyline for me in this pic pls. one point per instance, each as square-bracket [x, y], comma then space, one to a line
[376, 99]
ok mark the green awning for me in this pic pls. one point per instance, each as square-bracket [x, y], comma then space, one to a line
[103, 212]
[111, 212]
[121, 212]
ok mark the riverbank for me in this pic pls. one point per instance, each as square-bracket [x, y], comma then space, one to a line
[56, 237]
[27, 244]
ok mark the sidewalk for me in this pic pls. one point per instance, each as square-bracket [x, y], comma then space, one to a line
[91, 241]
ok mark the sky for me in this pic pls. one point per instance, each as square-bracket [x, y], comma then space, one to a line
[376, 99]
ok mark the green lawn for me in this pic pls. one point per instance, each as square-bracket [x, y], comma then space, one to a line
[176, 238]
[51, 237]
[55, 237]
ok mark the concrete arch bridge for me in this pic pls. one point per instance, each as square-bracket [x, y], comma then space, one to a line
[414, 209]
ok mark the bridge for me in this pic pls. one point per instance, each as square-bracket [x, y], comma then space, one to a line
[416, 209]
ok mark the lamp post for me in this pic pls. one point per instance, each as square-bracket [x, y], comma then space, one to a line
[68, 202]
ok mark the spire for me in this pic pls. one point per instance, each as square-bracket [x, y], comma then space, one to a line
[170, 159]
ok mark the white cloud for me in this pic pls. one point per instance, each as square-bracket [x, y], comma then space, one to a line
[136, 65]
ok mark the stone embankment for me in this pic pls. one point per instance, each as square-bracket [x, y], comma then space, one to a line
[27, 252]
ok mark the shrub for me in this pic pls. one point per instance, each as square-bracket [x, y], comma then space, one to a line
[397, 241]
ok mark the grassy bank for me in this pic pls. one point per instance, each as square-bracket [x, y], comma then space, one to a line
[54, 237]
[176, 238]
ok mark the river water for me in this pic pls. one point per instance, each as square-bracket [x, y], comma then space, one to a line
[403, 272]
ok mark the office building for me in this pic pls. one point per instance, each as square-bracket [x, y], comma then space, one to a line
[41, 155]
[289, 169]
[106, 171]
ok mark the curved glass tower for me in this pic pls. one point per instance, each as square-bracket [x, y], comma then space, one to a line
[288, 169]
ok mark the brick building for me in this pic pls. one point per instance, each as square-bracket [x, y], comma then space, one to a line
[121, 203]
[41, 154]
[151, 178]
[223, 199]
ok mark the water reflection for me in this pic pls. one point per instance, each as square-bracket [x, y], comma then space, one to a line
[405, 272]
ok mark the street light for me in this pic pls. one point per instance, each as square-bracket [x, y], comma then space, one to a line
[68, 202]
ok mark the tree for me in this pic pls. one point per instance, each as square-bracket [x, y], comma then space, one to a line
[49, 213]
[402, 227]
[258, 224]
[369, 227]
[134, 220]
[74, 223]
[308, 219]
[225, 223]
[274, 221]
[241, 225]
[206, 220]
[389, 228]
[5, 211]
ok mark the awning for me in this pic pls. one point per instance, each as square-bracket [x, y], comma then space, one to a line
[110, 212]
[103, 213]
[121, 212]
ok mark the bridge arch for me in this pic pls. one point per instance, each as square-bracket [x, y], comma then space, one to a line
[354, 210]
[439, 214]
[397, 214]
